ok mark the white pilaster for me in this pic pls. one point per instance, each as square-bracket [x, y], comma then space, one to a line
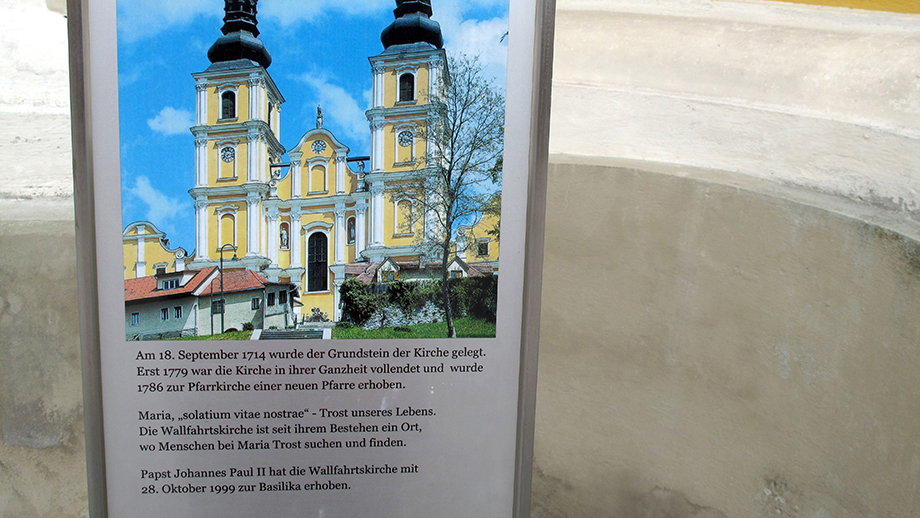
[252, 152]
[377, 208]
[140, 264]
[336, 310]
[201, 111]
[201, 162]
[265, 233]
[434, 75]
[273, 230]
[296, 185]
[377, 145]
[263, 102]
[431, 151]
[340, 234]
[340, 173]
[252, 227]
[261, 154]
[254, 98]
[295, 239]
[379, 71]
[360, 227]
[201, 229]
[431, 220]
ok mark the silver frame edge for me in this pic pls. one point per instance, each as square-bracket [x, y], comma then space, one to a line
[533, 252]
[85, 219]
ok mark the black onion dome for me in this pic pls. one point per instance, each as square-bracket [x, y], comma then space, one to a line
[413, 25]
[240, 35]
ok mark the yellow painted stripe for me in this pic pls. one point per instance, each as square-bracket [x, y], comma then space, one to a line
[895, 6]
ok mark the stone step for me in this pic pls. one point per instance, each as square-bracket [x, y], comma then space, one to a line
[291, 334]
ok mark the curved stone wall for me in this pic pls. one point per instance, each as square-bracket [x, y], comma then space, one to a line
[713, 345]
[823, 98]
[735, 334]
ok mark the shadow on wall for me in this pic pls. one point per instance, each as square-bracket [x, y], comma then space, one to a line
[714, 345]
[42, 459]
[625, 499]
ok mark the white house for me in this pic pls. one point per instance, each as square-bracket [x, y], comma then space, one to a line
[187, 303]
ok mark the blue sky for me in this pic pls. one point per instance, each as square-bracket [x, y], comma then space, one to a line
[319, 54]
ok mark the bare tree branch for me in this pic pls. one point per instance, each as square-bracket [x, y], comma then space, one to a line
[459, 174]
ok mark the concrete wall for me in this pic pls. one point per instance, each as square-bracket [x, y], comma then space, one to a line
[42, 461]
[823, 98]
[735, 333]
[42, 464]
[715, 347]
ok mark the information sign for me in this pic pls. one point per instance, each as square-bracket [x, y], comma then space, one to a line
[309, 239]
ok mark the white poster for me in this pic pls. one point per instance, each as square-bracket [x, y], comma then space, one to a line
[309, 238]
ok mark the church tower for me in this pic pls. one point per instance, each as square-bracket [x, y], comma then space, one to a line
[405, 75]
[236, 141]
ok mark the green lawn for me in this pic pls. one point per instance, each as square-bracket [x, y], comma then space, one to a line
[466, 328]
[232, 335]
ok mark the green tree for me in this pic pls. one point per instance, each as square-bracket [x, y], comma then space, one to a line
[460, 168]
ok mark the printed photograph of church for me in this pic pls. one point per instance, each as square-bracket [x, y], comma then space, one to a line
[312, 238]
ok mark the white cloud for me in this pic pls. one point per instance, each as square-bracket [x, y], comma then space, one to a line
[289, 12]
[171, 121]
[139, 19]
[128, 78]
[486, 3]
[339, 107]
[482, 38]
[161, 209]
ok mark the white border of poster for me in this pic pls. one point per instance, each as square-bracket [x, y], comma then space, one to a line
[467, 444]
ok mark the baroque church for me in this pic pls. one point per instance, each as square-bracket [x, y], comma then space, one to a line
[311, 216]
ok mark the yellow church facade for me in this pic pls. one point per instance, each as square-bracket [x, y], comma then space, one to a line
[323, 215]
[146, 251]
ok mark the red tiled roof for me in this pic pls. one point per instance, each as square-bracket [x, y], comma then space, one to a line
[357, 268]
[413, 265]
[367, 272]
[480, 270]
[146, 287]
[237, 280]
[234, 280]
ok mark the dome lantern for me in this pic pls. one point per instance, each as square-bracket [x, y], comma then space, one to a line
[413, 24]
[240, 35]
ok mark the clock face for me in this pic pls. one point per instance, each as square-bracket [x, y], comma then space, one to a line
[318, 146]
[227, 154]
[405, 138]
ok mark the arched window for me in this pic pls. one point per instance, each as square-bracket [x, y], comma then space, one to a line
[317, 262]
[228, 105]
[406, 88]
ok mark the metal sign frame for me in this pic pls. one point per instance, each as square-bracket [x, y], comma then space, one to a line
[95, 129]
